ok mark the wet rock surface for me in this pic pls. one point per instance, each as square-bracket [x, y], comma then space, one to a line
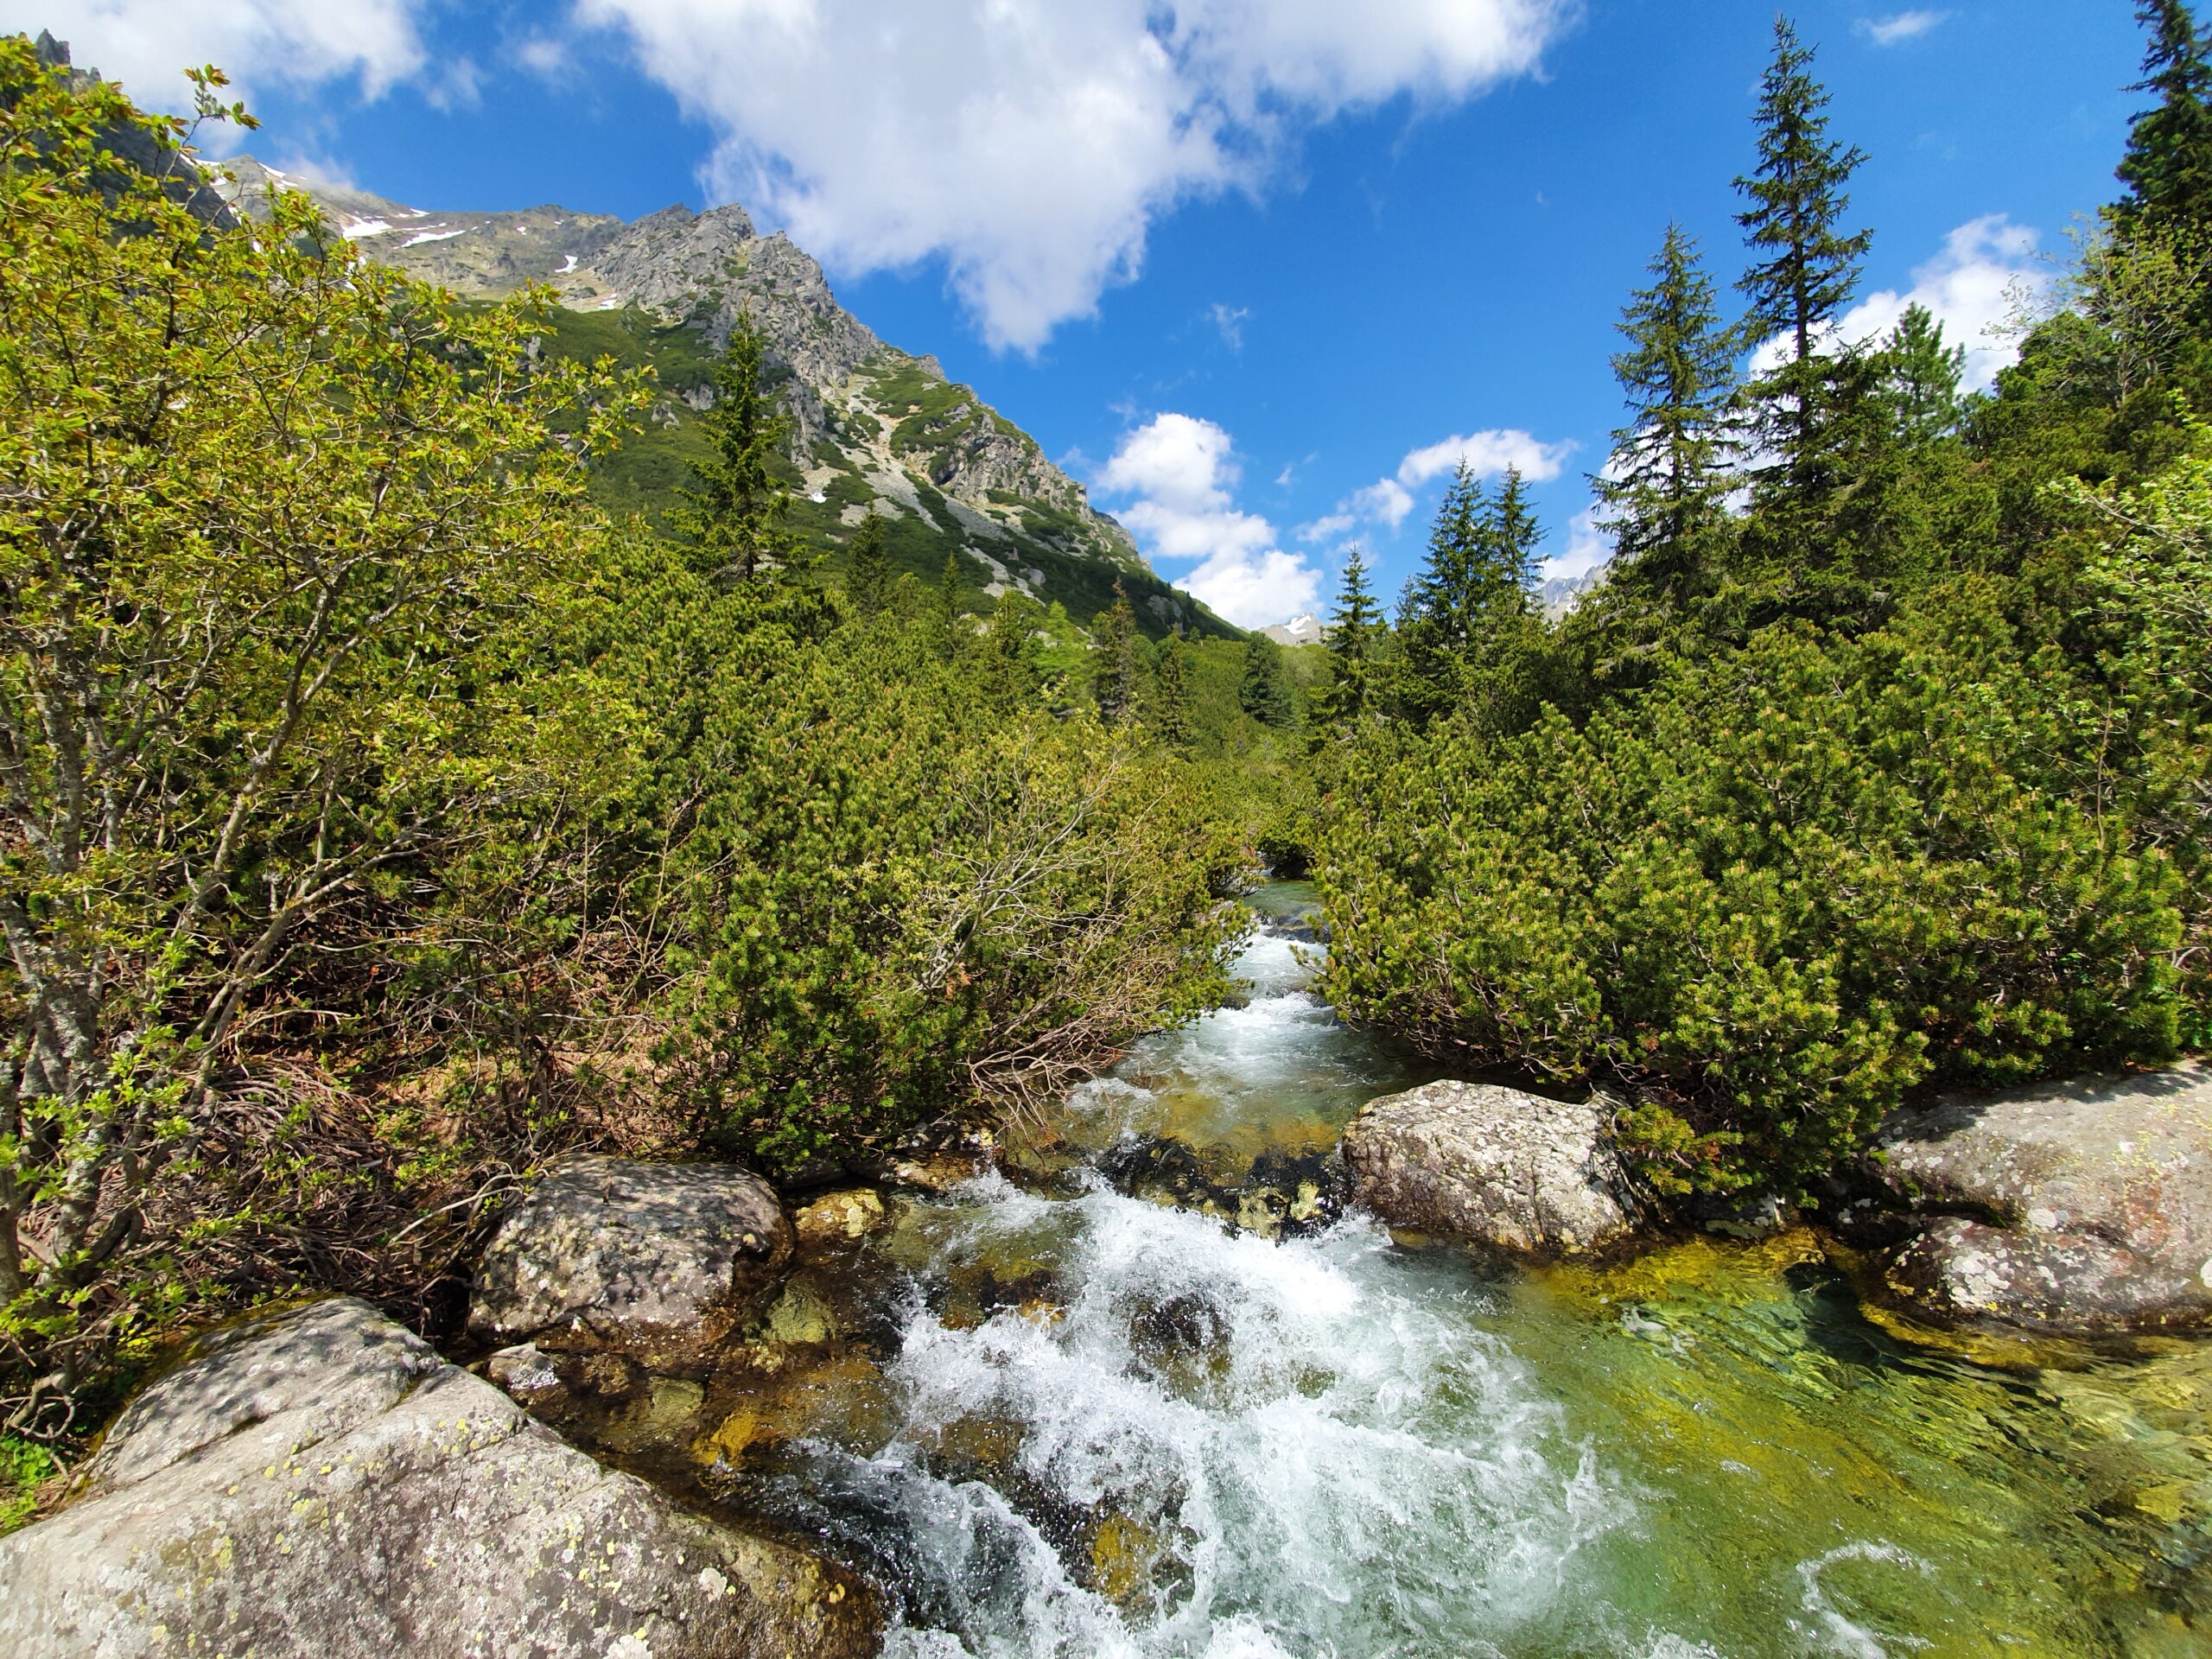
[661, 1261]
[2077, 1208]
[323, 1483]
[1490, 1166]
[1281, 1194]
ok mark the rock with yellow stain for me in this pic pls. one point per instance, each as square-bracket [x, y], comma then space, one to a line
[1123, 1553]
[660, 1261]
[840, 1217]
[845, 1396]
[433, 1518]
[2079, 1208]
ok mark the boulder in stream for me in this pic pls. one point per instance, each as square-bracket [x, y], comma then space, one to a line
[323, 1483]
[2080, 1208]
[660, 1260]
[1492, 1165]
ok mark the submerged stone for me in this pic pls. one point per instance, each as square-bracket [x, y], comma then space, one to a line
[840, 1217]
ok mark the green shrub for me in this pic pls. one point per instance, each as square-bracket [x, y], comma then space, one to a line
[1772, 893]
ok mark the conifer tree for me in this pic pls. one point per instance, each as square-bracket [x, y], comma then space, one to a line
[1923, 375]
[867, 572]
[1171, 694]
[1806, 266]
[1444, 598]
[1350, 636]
[1264, 691]
[733, 513]
[1010, 670]
[2168, 166]
[1437, 612]
[945, 613]
[1117, 661]
[1669, 471]
[1347, 699]
[1509, 583]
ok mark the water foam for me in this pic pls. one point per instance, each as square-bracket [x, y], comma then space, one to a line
[1317, 1448]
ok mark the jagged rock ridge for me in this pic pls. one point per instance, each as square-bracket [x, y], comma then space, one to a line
[876, 429]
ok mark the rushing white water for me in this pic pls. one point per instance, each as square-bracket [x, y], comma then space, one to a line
[1113, 1428]
[1201, 1442]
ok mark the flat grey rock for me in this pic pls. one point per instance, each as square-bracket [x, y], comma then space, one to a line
[1495, 1166]
[659, 1261]
[2078, 1207]
[322, 1483]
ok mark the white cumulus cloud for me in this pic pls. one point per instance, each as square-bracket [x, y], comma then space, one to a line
[148, 44]
[1181, 473]
[1030, 143]
[1970, 288]
[1899, 27]
[1488, 454]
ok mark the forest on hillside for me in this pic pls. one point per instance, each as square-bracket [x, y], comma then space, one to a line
[385, 818]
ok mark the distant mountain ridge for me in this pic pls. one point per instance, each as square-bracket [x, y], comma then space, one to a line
[1304, 629]
[876, 429]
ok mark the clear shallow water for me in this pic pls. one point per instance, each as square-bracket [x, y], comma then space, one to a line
[1107, 1426]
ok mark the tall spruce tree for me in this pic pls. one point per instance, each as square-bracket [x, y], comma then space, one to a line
[2168, 166]
[1923, 373]
[1172, 720]
[1263, 692]
[1805, 267]
[1352, 639]
[1669, 471]
[1117, 670]
[1438, 613]
[1445, 596]
[868, 569]
[733, 513]
[1508, 587]
[944, 613]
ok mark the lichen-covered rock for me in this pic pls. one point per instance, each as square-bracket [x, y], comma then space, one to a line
[2083, 1207]
[1492, 1166]
[841, 1217]
[322, 1483]
[660, 1260]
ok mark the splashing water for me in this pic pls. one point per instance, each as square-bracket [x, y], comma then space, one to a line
[1122, 1429]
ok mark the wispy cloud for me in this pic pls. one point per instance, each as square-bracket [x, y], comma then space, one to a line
[1898, 28]
[146, 43]
[1030, 145]
[1970, 286]
[1228, 320]
[1487, 454]
[1180, 475]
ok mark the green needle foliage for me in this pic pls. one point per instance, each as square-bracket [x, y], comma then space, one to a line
[1263, 687]
[2168, 166]
[733, 512]
[1887, 774]
[867, 572]
[1672, 463]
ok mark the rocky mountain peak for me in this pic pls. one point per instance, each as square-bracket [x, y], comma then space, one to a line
[876, 429]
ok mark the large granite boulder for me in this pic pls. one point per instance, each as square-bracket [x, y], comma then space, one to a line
[322, 1483]
[2083, 1207]
[1495, 1166]
[657, 1260]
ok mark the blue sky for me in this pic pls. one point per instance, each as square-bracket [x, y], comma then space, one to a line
[1257, 271]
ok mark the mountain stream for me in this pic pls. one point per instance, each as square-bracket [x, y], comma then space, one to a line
[1080, 1421]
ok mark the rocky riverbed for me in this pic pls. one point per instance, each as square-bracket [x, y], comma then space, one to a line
[1168, 1382]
